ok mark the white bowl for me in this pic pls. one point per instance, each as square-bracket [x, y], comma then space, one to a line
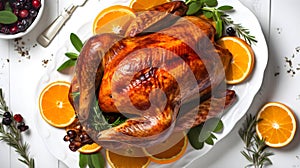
[33, 24]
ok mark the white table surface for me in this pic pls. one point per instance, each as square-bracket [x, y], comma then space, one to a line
[280, 23]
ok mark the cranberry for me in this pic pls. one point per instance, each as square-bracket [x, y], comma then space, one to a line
[7, 114]
[32, 13]
[4, 30]
[6, 121]
[23, 13]
[16, 12]
[1, 5]
[21, 26]
[13, 29]
[36, 4]
[18, 118]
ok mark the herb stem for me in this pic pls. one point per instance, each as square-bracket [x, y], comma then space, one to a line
[12, 136]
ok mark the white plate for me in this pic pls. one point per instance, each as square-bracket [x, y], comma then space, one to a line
[246, 91]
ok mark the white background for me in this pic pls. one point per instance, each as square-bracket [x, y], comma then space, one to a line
[280, 23]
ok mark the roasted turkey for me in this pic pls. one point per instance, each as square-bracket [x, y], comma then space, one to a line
[165, 74]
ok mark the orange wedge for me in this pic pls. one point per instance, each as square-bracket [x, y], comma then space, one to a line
[242, 62]
[90, 148]
[121, 161]
[277, 124]
[54, 104]
[114, 19]
[170, 150]
[138, 5]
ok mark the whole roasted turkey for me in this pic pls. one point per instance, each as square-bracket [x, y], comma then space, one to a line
[165, 74]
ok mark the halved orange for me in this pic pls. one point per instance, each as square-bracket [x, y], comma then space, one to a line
[90, 148]
[138, 5]
[114, 19]
[170, 150]
[120, 161]
[243, 59]
[277, 124]
[54, 104]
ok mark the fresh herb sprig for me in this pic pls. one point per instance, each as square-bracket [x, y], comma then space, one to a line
[11, 135]
[255, 147]
[204, 133]
[210, 10]
[77, 44]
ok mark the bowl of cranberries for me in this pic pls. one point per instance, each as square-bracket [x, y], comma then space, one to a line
[18, 17]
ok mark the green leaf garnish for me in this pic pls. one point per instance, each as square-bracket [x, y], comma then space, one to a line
[77, 43]
[194, 7]
[98, 160]
[69, 63]
[225, 8]
[210, 10]
[83, 160]
[203, 133]
[93, 160]
[7, 17]
[210, 3]
[71, 55]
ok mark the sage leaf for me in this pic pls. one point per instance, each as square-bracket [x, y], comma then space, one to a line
[210, 3]
[193, 136]
[76, 42]
[71, 55]
[69, 63]
[208, 14]
[194, 7]
[83, 160]
[213, 136]
[219, 127]
[7, 17]
[98, 160]
[225, 8]
[209, 141]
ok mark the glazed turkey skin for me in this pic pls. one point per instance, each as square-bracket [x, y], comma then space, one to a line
[177, 51]
[151, 73]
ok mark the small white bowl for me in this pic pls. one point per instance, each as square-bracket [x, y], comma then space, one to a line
[33, 24]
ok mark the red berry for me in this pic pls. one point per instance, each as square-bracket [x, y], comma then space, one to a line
[18, 118]
[13, 30]
[36, 3]
[23, 13]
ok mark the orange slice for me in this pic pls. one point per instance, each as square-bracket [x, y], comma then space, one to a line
[90, 148]
[138, 5]
[173, 149]
[121, 161]
[277, 124]
[242, 62]
[54, 104]
[114, 19]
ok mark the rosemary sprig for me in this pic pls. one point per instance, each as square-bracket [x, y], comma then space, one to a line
[218, 14]
[254, 150]
[11, 135]
[241, 31]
